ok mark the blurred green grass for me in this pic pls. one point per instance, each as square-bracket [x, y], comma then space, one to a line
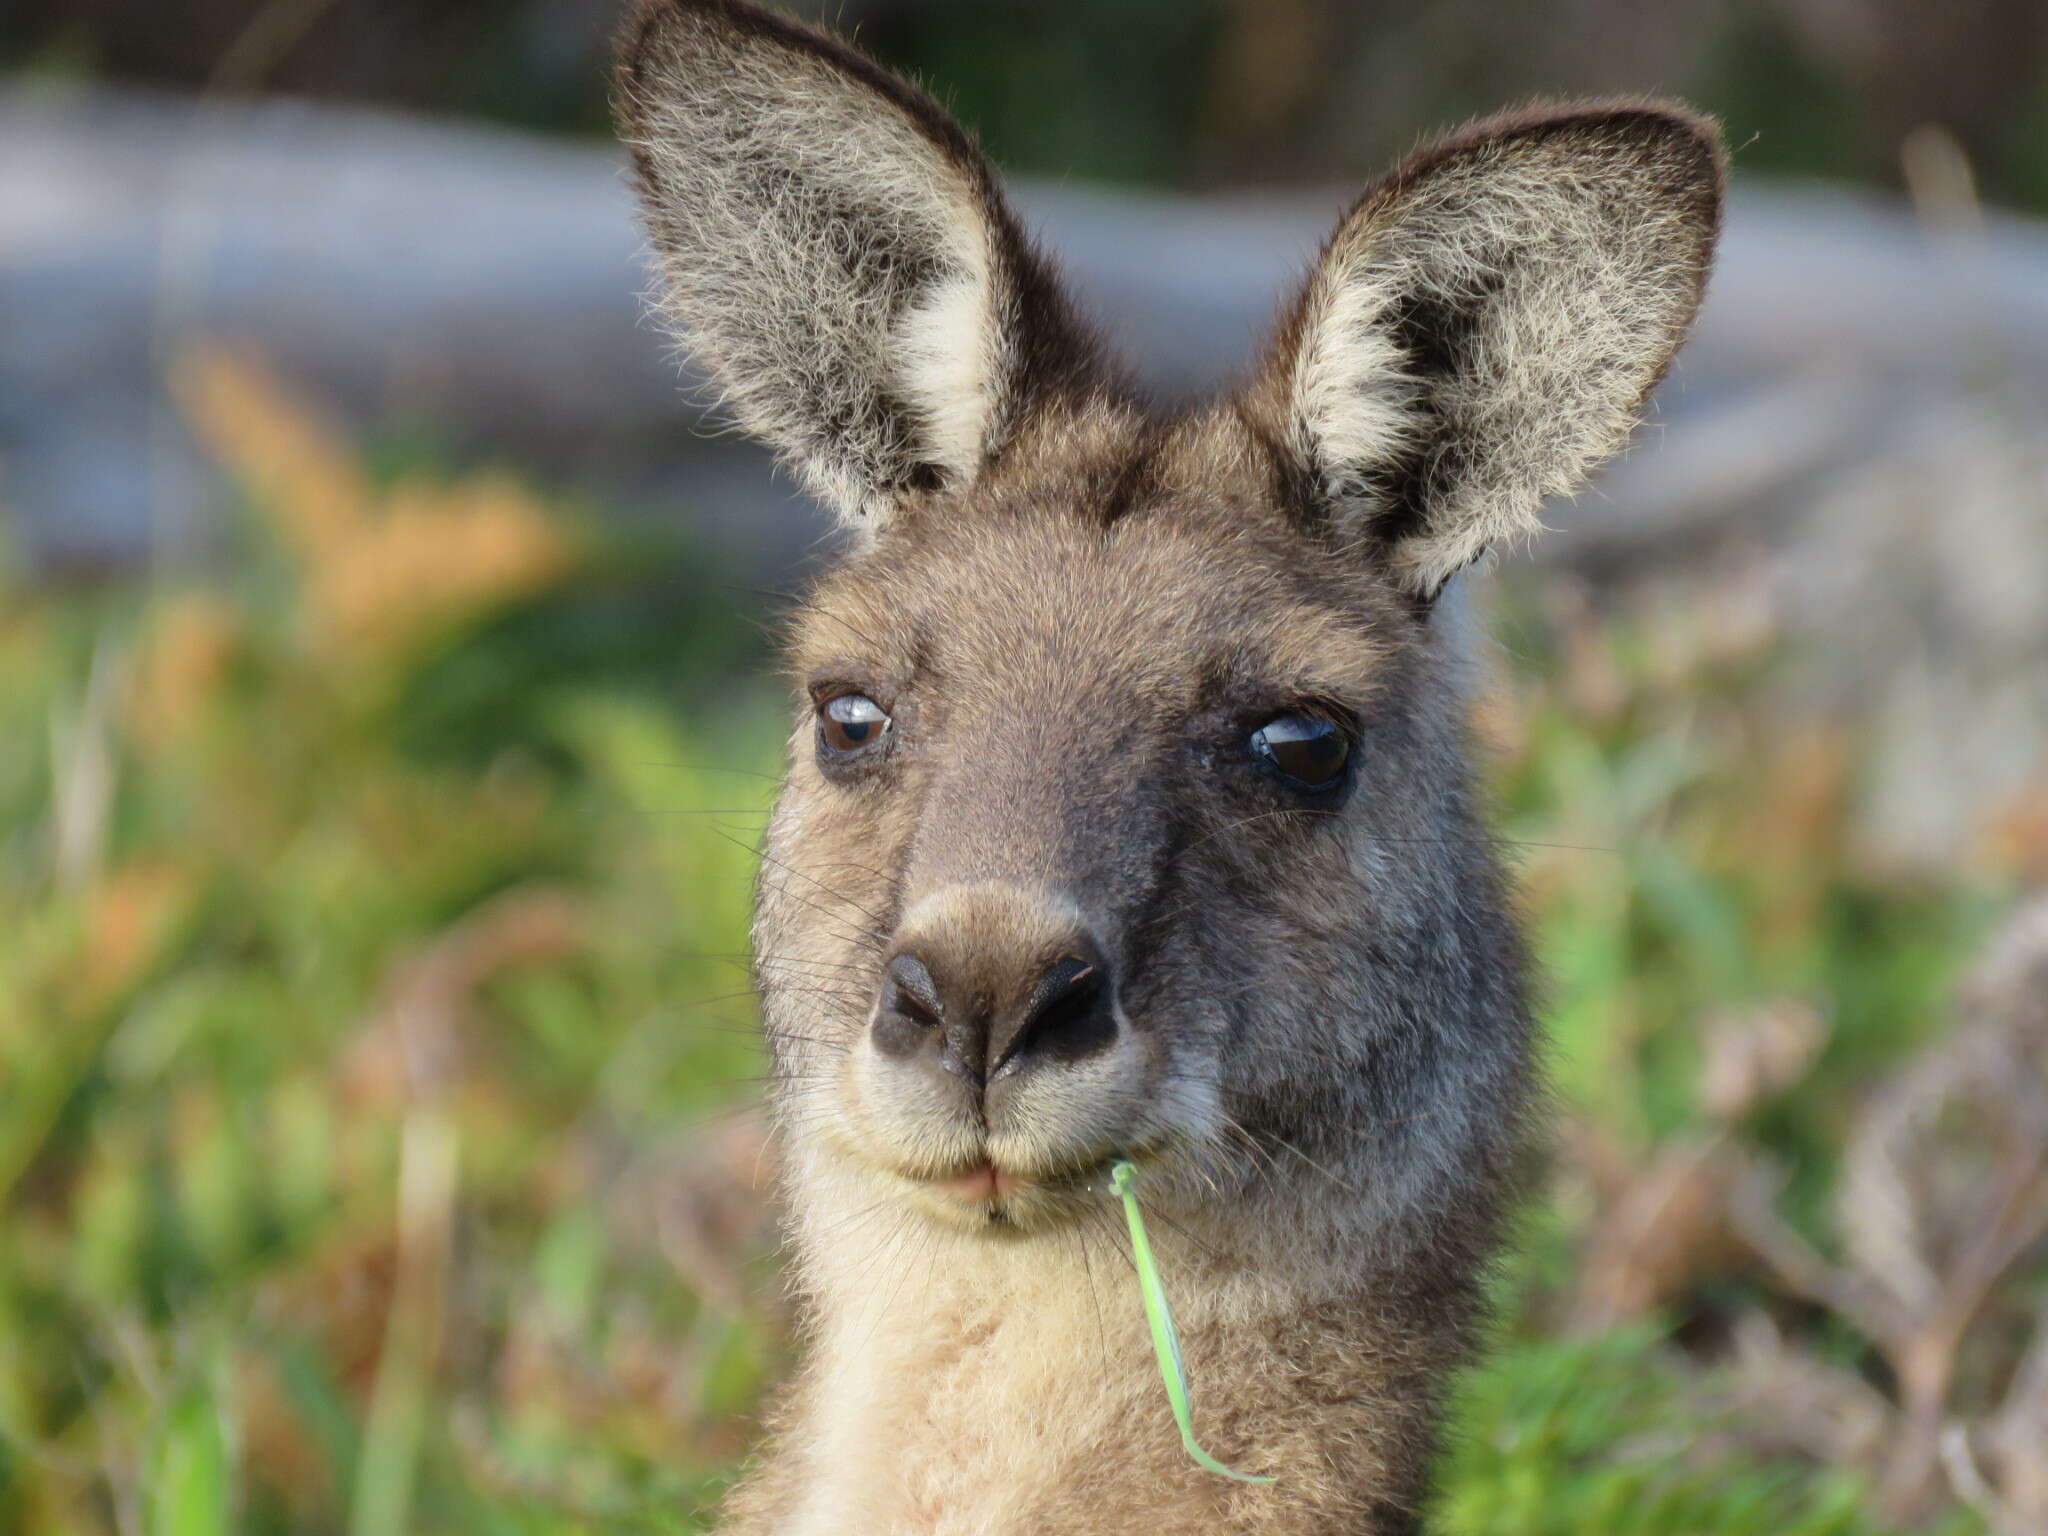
[374, 1027]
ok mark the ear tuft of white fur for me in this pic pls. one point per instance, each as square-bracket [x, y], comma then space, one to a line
[1485, 325]
[831, 248]
[948, 362]
[1356, 404]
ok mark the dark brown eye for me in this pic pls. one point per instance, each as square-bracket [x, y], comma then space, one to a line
[850, 722]
[1308, 749]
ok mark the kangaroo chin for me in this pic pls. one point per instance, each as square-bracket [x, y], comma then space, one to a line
[1129, 807]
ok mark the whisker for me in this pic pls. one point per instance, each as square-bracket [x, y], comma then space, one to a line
[752, 773]
[769, 858]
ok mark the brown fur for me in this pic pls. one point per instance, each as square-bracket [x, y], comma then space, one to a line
[1307, 1020]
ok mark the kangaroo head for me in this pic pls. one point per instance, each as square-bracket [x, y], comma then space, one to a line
[1127, 811]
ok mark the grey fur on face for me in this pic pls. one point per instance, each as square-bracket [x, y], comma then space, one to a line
[1041, 891]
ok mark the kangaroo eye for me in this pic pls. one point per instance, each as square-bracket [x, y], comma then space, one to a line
[1308, 749]
[851, 721]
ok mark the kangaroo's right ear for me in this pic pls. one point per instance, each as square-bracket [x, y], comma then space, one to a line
[836, 251]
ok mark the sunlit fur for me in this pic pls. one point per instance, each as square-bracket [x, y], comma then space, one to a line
[1486, 323]
[1321, 1060]
[836, 253]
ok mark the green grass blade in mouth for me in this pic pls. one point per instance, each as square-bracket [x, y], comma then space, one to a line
[1123, 1180]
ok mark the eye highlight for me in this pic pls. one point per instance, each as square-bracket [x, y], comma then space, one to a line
[1310, 750]
[851, 722]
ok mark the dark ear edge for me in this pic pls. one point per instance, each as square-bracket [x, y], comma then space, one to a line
[1650, 119]
[640, 36]
[1059, 357]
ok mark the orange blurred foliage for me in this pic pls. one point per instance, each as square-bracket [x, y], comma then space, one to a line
[383, 568]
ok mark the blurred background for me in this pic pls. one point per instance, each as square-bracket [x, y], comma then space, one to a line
[387, 713]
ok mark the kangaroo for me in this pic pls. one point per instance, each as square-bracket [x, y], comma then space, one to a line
[1129, 810]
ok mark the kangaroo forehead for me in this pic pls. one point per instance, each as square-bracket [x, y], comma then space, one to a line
[1166, 603]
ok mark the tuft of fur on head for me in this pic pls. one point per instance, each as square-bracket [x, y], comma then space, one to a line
[837, 253]
[1486, 323]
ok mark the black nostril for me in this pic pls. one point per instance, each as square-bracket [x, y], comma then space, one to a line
[910, 1009]
[914, 990]
[1070, 1014]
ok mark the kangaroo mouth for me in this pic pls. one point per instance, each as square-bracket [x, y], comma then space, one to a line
[980, 1184]
[987, 1194]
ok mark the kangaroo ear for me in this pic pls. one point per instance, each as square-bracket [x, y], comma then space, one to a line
[837, 253]
[1485, 324]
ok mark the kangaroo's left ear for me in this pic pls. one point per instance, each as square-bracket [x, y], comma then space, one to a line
[1486, 323]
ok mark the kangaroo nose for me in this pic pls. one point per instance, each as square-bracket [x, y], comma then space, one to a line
[966, 1016]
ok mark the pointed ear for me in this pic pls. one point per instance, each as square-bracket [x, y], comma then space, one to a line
[837, 253]
[1485, 324]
